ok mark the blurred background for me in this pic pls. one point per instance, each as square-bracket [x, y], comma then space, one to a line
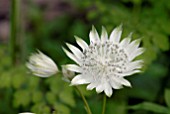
[28, 25]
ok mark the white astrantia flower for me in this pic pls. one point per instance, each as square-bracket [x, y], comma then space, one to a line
[106, 61]
[26, 113]
[41, 65]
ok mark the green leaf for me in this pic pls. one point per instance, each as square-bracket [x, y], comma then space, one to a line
[167, 97]
[51, 98]
[41, 108]
[5, 80]
[117, 107]
[67, 97]
[21, 98]
[61, 109]
[55, 84]
[18, 80]
[33, 82]
[37, 96]
[151, 107]
[161, 41]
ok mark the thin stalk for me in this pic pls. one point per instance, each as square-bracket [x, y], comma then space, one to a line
[104, 104]
[84, 100]
[22, 43]
[13, 30]
[136, 11]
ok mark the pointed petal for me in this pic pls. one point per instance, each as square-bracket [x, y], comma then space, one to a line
[116, 34]
[41, 70]
[133, 46]
[41, 75]
[74, 68]
[91, 85]
[108, 89]
[137, 42]
[75, 50]
[99, 88]
[126, 41]
[46, 60]
[136, 53]
[71, 56]
[81, 43]
[94, 37]
[134, 65]
[128, 73]
[115, 83]
[104, 35]
[125, 82]
[79, 79]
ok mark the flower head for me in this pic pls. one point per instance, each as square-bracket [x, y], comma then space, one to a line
[26, 113]
[41, 65]
[106, 61]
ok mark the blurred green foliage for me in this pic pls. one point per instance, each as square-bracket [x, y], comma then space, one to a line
[147, 19]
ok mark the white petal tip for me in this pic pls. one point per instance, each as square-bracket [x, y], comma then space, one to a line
[64, 49]
[120, 26]
[77, 38]
[99, 90]
[72, 84]
[126, 83]
[130, 35]
[103, 28]
[89, 88]
[129, 85]
[109, 95]
[69, 45]
[93, 28]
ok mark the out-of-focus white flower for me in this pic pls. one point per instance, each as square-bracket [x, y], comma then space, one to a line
[67, 74]
[26, 113]
[106, 61]
[41, 65]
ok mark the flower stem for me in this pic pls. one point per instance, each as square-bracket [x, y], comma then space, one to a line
[84, 100]
[104, 104]
[13, 31]
[136, 11]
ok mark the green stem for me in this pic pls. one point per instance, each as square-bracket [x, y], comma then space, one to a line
[104, 104]
[84, 100]
[13, 29]
[136, 11]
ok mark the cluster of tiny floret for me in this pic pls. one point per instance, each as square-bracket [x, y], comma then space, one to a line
[107, 58]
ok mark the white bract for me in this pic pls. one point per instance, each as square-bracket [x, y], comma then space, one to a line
[67, 74]
[41, 65]
[26, 113]
[106, 61]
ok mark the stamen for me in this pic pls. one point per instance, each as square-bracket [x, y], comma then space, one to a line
[104, 59]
